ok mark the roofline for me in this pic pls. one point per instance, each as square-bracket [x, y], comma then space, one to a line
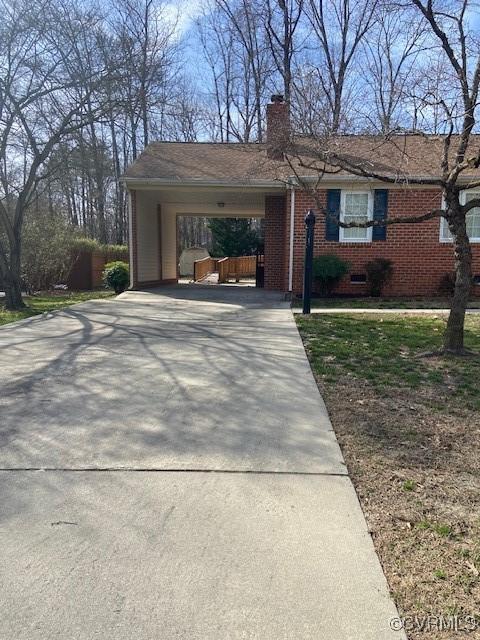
[289, 182]
[169, 182]
[355, 178]
[223, 144]
[401, 181]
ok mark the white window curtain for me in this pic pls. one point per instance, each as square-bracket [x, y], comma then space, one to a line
[356, 207]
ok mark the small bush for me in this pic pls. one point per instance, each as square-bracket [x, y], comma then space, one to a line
[379, 273]
[446, 286]
[116, 276]
[328, 270]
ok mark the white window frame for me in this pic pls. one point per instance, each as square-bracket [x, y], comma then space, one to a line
[445, 236]
[343, 195]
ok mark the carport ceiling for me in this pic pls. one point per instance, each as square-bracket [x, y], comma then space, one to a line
[211, 197]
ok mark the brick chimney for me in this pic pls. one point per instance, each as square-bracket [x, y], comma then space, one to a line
[278, 127]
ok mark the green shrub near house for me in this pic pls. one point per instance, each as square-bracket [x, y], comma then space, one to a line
[328, 270]
[116, 276]
[379, 273]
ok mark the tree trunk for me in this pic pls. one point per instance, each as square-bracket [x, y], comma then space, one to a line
[454, 334]
[13, 281]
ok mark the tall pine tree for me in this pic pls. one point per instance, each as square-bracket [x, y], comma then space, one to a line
[233, 237]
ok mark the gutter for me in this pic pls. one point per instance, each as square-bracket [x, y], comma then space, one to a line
[401, 182]
[175, 183]
[354, 178]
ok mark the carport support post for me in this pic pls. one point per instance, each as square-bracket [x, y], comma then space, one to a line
[307, 274]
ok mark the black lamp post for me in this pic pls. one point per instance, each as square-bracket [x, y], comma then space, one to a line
[307, 275]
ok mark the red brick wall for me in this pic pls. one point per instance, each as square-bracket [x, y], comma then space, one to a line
[275, 243]
[419, 258]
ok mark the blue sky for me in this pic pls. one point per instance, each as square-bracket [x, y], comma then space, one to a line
[187, 11]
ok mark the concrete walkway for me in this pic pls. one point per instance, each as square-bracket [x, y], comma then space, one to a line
[357, 310]
[168, 470]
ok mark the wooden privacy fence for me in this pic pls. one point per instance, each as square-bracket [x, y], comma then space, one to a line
[87, 272]
[228, 268]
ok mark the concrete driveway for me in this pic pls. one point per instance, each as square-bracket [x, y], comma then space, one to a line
[168, 470]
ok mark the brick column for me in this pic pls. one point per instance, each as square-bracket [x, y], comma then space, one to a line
[276, 276]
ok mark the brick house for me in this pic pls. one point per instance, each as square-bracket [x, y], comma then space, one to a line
[170, 179]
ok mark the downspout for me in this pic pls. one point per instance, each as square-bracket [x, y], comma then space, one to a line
[292, 231]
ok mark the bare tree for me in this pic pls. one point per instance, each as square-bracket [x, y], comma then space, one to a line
[310, 109]
[44, 91]
[236, 50]
[282, 20]
[245, 18]
[432, 76]
[139, 41]
[146, 38]
[392, 52]
[217, 43]
[448, 27]
[339, 27]
[186, 116]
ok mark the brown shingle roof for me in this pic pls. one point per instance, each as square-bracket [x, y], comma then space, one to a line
[399, 156]
[203, 161]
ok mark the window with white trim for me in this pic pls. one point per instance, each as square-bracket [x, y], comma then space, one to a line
[356, 206]
[472, 219]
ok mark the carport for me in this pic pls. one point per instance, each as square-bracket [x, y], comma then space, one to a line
[156, 212]
[170, 180]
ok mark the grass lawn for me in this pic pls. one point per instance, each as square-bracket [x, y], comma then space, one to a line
[385, 303]
[49, 301]
[409, 428]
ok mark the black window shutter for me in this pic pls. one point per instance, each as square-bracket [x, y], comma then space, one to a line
[333, 213]
[380, 210]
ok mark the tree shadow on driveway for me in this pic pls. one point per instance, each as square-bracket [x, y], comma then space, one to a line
[158, 384]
